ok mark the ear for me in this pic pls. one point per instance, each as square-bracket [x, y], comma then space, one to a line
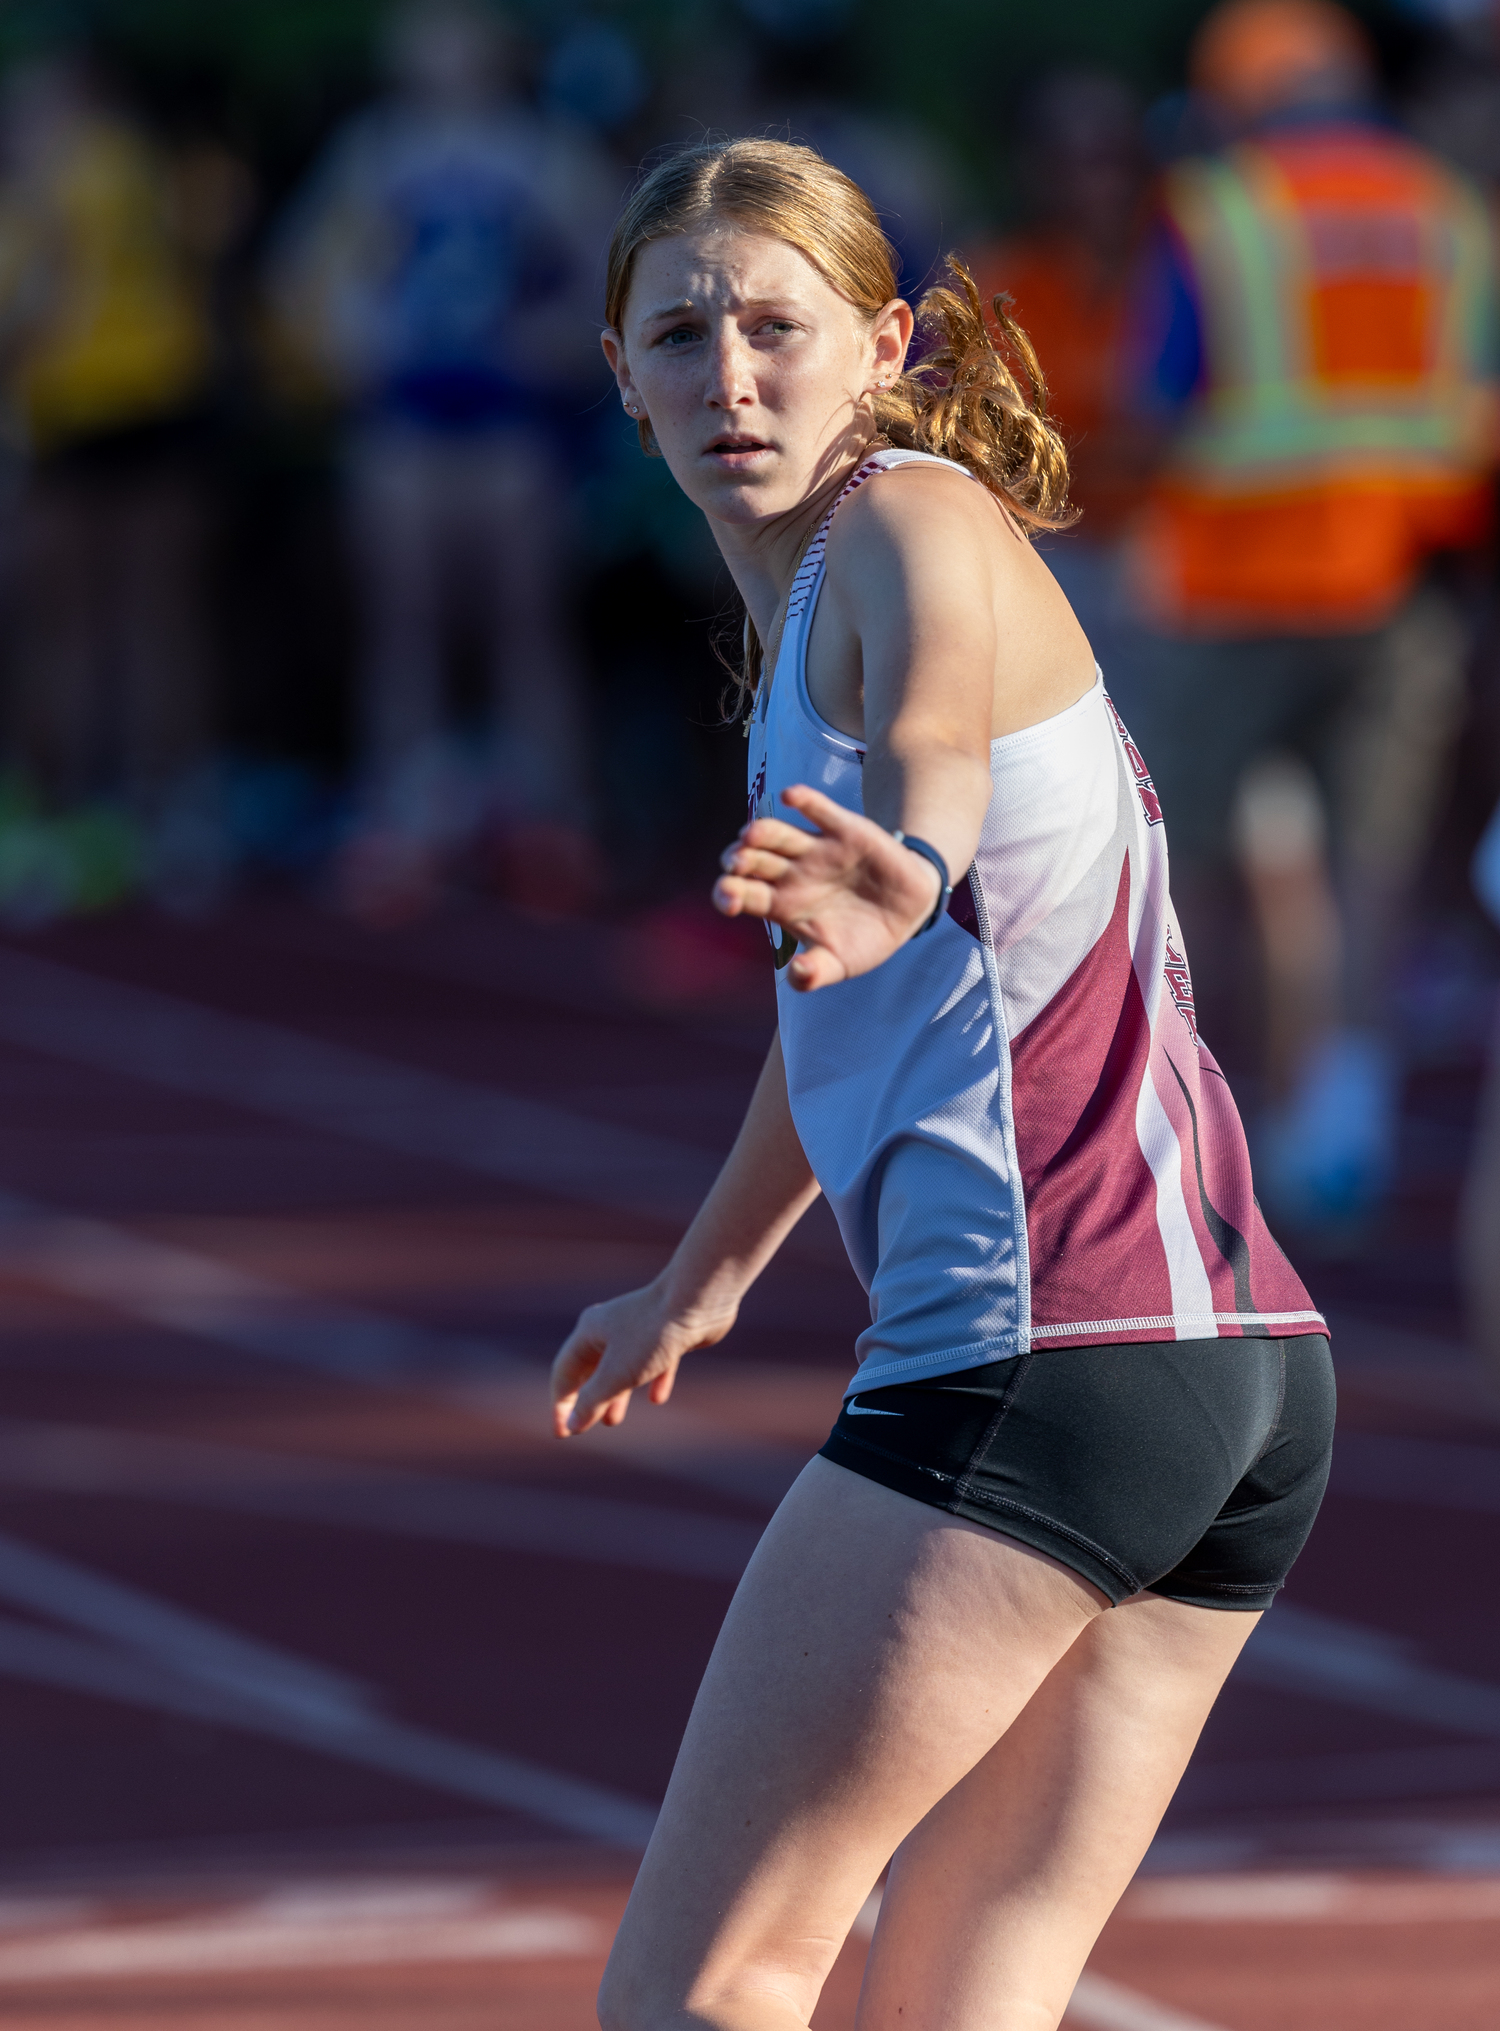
[890, 335]
[614, 352]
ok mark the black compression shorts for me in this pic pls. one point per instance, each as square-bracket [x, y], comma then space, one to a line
[1191, 1468]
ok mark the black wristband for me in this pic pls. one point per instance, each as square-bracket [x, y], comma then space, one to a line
[929, 853]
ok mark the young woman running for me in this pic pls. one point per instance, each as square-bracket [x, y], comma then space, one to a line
[1089, 1428]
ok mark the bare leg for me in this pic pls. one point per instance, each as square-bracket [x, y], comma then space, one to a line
[1280, 837]
[874, 1654]
[996, 1898]
[1395, 741]
[398, 518]
[536, 683]
[399, 521]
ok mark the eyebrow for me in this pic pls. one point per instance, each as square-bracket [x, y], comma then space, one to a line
[685, 306]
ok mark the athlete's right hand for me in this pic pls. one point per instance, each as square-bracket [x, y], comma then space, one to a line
[848, 894]
[628, 1343]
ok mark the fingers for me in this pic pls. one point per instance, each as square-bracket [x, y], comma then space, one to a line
[766, 853]
[603, 1402]
[735, 898]
[575, 1366]
[582, 1415]
[576, 1359]
[591, 1406]
[774, 835]
[751, 862]
[825, 814]
[791, 842]
[603, 1360]
[815, 966]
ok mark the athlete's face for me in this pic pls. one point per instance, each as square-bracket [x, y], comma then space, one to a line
[755, 373]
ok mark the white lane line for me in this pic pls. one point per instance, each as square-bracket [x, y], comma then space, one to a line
[186, 1292]
[158, 1656]
[1430, 1472]
[1106, 2006]
[303, 1488]
[172, 1638]
[186, 1047]
[1316, 1898]
[44, 1657]
[1295, 1650]
[329, 1926]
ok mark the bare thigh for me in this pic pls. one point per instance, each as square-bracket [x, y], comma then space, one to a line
[875, 1652]
[996, 1898]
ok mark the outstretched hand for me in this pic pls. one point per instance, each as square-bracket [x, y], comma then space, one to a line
[849, 893]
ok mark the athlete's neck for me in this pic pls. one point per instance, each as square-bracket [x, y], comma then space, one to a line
[763, 556]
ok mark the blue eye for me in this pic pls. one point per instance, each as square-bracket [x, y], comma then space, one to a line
[669, 339]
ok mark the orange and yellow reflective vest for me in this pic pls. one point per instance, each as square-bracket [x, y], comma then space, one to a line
[1346, 424]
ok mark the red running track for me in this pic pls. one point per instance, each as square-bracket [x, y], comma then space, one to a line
[334, 1692]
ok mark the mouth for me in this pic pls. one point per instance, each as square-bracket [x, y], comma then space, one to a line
[732, 445]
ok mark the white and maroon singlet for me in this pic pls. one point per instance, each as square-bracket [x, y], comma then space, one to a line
[1022, 1137]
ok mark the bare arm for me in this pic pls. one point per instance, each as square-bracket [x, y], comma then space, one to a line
[912, 587]
[638, 1340]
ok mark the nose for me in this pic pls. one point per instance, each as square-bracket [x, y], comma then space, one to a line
[731, 380]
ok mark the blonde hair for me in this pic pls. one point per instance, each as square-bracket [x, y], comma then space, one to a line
[964, 399]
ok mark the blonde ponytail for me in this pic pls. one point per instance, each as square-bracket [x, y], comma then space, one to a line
[962, 400]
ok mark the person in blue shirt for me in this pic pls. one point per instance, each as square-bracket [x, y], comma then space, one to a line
[435, 270]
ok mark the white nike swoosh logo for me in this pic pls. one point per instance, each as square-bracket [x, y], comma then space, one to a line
[856, 1409]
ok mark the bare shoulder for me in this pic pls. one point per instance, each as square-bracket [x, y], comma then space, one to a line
[924, 560]
[914, 506]
[920, 534]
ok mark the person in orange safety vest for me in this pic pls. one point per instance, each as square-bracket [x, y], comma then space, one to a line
[1315, 327]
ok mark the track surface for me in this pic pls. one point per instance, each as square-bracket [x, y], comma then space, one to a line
[335, 1693]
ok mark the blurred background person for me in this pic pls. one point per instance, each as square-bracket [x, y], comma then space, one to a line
[107, 355]
[1453, 105]
[439, 267]
[1083, 170]
[1316, 327]
[1479, 1208]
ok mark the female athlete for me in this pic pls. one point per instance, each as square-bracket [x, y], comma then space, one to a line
[1089, 1428]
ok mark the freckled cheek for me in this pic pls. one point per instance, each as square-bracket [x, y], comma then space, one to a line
[668, 394]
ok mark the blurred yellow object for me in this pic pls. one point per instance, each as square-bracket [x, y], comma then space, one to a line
[110, 331]
[1260, 56]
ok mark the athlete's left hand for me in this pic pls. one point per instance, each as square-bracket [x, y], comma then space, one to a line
[849, 893]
